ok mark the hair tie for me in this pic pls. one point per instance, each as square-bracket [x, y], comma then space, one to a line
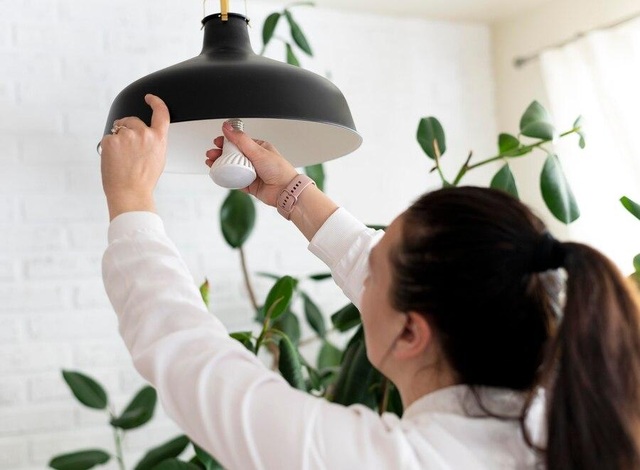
[548, 253]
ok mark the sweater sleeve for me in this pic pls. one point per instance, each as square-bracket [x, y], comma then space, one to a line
[343, 243]
[219, 393]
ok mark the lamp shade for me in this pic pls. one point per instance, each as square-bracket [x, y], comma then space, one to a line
[303, 114]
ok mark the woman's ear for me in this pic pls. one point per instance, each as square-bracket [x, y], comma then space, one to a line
[415, 337]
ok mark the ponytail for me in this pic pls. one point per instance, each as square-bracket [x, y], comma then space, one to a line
[593, 371]
[483, 269]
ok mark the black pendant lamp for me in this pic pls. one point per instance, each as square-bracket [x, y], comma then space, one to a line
[303, 114]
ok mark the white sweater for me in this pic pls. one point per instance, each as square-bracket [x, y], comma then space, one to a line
[247, 416]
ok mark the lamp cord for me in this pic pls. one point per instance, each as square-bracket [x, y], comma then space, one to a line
[224, 9]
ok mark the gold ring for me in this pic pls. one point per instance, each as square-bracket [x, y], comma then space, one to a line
[115, 129]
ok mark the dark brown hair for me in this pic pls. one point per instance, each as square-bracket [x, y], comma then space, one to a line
[482, 268]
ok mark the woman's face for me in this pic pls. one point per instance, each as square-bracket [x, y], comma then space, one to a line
[382, 323]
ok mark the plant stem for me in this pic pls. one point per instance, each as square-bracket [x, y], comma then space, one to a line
[436, 148]
[120, 457]
[384, 400]
[463, 170]
[526, 149]
[273, 349]
[265, 325]
[117, 437]
[247, 281]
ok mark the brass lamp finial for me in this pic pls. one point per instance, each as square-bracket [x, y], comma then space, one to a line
[224, 10]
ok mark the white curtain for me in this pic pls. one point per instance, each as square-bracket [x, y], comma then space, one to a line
[598, 76]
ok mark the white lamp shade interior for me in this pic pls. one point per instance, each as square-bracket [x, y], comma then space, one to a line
[303, 143]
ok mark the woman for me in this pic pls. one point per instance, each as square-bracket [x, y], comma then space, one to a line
[461, 310]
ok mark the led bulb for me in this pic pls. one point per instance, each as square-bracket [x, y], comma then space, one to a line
[232, 169]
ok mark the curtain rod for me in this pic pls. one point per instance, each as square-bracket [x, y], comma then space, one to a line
[521, 61]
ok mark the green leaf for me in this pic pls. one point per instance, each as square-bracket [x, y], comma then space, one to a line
[291, 57]
[540, 130]
[505, 181]
[314, 316]
[244, 337]
[80, 460]
[320, 277]
[204, 292]
[209, 462]
[507, 142]
[329, 356]
[289, 324]
[578, 126]
[297, 34]
[195, 461]
[578, 123]
[314, 382]
[556, 192]
[89, 392]
[316, 173]
[636, 262]
[237, 218]
[269, 27]
[139, 411]
[395, 401]
[377, 227]
[631, 206]
[320, 380]
[536, 122]
[357, 375]
[430, 131]
[289, 364]
[581, 142]
[259, 315]
[279, 296]
[175, 464]
[346, 318]
[169, 449]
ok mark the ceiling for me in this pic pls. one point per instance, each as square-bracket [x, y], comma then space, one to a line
[454, 10]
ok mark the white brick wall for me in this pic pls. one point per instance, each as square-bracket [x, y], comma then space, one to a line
[63, 61]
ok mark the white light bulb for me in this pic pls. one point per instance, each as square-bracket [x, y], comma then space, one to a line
[232, 169]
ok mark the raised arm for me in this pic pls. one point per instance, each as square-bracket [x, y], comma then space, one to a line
[219, 393]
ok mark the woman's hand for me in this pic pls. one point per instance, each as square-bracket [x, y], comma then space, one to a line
[273, 172]
[133, 159]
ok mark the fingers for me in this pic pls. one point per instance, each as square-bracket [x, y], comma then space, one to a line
[212, 155]
[160, 118]
[268, 146]
[246, 144]
[219, 142]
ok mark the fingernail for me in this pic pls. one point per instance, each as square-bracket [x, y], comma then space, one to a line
[227, 125]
